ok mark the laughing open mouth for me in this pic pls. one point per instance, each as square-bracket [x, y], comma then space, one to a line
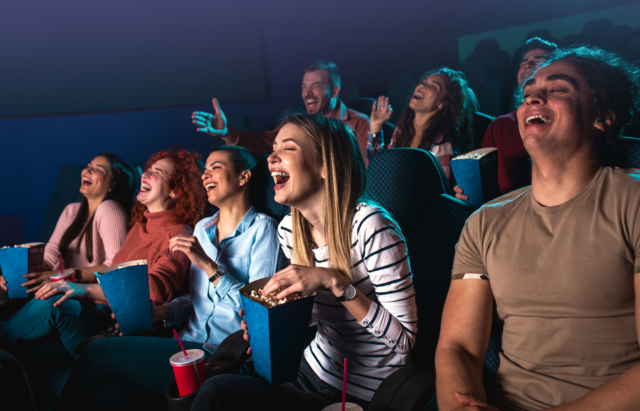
[280, 178]
[210, 186]
[537, 119]
[145, 187]
[86, 182]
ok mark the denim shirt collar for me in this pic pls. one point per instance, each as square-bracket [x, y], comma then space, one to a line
[245, 223]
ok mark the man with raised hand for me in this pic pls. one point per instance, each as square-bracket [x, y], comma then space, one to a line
[559, 258]
[514, 171]
[320, 89]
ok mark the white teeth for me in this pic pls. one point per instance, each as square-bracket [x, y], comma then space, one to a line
[543, 118]
[210, 186]
[86, 180]
[145, 187]
[278, 173]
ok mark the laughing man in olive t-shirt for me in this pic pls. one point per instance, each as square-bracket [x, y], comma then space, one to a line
[560, 257]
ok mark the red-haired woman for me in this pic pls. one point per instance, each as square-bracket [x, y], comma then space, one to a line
[171, 201]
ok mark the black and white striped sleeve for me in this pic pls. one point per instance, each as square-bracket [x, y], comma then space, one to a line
[394, 317]
[284, 236]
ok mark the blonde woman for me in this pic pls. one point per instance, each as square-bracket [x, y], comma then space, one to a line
[352, 254]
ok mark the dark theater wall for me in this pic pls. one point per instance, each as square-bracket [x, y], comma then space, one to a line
[126, 79]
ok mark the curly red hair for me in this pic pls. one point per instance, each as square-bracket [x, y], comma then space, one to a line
[191, 197]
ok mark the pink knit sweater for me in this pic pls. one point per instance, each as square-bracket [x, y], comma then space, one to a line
[109, 233]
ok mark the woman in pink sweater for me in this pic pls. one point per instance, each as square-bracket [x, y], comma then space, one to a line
[89, 233]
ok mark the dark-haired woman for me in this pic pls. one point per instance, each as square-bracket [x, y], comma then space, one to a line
[170, 202]
[438, 118]
[89, 233]
[236, 246]
[352, 254]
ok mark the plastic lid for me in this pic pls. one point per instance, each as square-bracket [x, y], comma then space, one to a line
[179, 360]
[64, 273]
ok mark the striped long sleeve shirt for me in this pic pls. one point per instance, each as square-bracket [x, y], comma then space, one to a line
[382, 342]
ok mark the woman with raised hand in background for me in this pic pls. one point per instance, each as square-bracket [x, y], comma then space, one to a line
[89, 233]
[352, 254]
[236, 246]
[170, 202]
[438, 118]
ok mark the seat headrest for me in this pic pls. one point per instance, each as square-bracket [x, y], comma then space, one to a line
[628, 153]
[262, 191]
[404, 179]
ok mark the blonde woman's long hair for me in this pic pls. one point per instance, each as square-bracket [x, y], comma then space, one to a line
[345, 185]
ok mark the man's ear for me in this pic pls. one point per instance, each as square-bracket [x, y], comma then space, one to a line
[335, 91]
[605, 120]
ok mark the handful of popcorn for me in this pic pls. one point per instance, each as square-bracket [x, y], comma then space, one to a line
[270, 301]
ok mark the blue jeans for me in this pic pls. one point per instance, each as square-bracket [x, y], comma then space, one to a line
[136, 365]
[73, 321]
[243, 392]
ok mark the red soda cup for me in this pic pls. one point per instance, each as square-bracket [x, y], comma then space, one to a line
[68, 275]
[189, 370]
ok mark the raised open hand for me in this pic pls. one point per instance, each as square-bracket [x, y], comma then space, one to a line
[380, 113]
[212, 124]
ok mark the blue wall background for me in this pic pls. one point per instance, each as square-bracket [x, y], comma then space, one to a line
[79, 78]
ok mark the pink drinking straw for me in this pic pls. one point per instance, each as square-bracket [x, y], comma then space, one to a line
[187, 355]
[344, 384]
[60, 259]
[180, 342]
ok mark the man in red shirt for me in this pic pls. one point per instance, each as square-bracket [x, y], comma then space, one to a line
[514, 170]
[320, 89]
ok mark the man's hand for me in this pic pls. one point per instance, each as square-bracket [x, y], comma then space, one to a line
[381, 112]
[191, 247]
[459, 193]
[212, 124]
[470, 403]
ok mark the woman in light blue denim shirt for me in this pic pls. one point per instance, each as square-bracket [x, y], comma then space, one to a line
[236, 246]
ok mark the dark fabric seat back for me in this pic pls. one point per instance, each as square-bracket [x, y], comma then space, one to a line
[65, 193]
[262, 191]
[411, 185]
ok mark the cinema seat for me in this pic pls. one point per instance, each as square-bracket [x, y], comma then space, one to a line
[632, 50]
[362, 105]
[350, 92]
[66, 192]
[15, 384]
[481, 122]
[417, 195]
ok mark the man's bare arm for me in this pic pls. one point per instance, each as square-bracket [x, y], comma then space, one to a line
[464, 336]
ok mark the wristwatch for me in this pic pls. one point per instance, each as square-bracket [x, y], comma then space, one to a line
[348, 293]
[219, 273]
[169, 314]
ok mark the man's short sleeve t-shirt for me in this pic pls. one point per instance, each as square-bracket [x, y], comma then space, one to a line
[563, 281]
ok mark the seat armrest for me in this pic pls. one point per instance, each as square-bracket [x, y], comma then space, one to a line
[405, 389]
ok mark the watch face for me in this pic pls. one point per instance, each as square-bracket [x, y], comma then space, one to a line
[349, 292]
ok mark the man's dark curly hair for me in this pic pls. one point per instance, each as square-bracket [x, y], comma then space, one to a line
[615, 84]
[454, 121]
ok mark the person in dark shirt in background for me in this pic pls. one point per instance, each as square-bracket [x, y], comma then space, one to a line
[320, 89]
[514, 171]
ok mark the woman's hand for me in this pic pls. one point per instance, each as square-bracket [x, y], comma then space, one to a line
[302, 279]
[70, 290]
[192, 248]
[3, 283]
[244, 326]
[37, 280]
[380, 113]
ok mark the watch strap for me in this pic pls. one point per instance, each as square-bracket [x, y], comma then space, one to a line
[219, 273]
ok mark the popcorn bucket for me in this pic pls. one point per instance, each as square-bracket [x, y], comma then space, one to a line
[126, 287]
[17, 261]
[477, 174]
[277, 334]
